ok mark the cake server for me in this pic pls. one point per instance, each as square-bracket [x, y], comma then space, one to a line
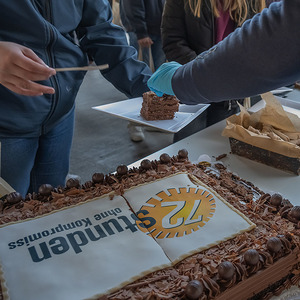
[85, 68]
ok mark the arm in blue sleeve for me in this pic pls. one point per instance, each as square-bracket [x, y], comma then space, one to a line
[106, 43]
[262, 55]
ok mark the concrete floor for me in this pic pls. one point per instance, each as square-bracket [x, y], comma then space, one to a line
[101, 141]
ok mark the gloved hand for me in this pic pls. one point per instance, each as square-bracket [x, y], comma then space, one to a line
[160, 81]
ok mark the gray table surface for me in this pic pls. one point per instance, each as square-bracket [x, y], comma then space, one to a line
[211, 142]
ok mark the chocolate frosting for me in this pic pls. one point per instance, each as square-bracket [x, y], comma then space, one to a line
[270, 216]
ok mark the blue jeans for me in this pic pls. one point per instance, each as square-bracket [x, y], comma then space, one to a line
[27, 163]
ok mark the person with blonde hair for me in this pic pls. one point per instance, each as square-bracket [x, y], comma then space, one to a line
[190, 27]
[261, 56]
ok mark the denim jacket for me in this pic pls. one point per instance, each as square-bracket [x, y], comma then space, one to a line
[64, 34]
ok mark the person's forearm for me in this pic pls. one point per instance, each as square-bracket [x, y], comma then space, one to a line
[107, 44]
[260, 56]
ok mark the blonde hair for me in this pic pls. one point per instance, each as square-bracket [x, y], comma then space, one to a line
[238, 9]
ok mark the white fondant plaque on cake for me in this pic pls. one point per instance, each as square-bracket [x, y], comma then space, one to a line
[185, 217]
[76, 253]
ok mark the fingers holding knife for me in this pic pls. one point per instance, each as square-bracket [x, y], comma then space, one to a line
[21, 68]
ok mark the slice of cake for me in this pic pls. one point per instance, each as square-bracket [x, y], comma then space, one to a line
[133, 235]
[158, 108]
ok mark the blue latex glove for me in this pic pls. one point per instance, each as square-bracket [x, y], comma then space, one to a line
[160, 81]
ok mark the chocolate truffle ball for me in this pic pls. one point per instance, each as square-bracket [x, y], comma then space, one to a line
[122, 170]
[14, 198]
[146, 164]
[251, 257]
[295, 213]
[45, 189]
[276, 199]
[183, 153]
[98, 177]
[72, 182]
[274, 245]
[193, 290]
[226, 270]
[165, 158]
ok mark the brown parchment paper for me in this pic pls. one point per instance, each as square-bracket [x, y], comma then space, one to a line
[238, 127]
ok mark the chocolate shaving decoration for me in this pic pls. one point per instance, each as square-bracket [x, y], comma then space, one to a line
[98, 177]
[286, 244]
[111, 179]
[211, 286]
[72, 182]
[193, 290]
[45, 189]
[87, 185]
[146, 164]
[165, 158]
[286, 202]
[265, 258]
[221, 156]
[284, 211]
[240, 271]
[19, 205]
[3, 198]
[294, 213]
[263, 199]
[183, 153]
[14, 198]
[122, 170]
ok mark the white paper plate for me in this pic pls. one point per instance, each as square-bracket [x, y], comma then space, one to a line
[288, 105]
[281, 90]
[130, 110]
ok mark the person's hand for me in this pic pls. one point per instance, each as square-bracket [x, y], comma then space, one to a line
[145, 42]
[160, 82]
[20, 67]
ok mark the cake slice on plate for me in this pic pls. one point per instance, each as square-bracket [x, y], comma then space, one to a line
[158, 108]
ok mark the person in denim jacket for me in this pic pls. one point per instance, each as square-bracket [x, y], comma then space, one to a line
[36, 103]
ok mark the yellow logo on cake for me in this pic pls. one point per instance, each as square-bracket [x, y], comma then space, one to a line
[176, 213]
